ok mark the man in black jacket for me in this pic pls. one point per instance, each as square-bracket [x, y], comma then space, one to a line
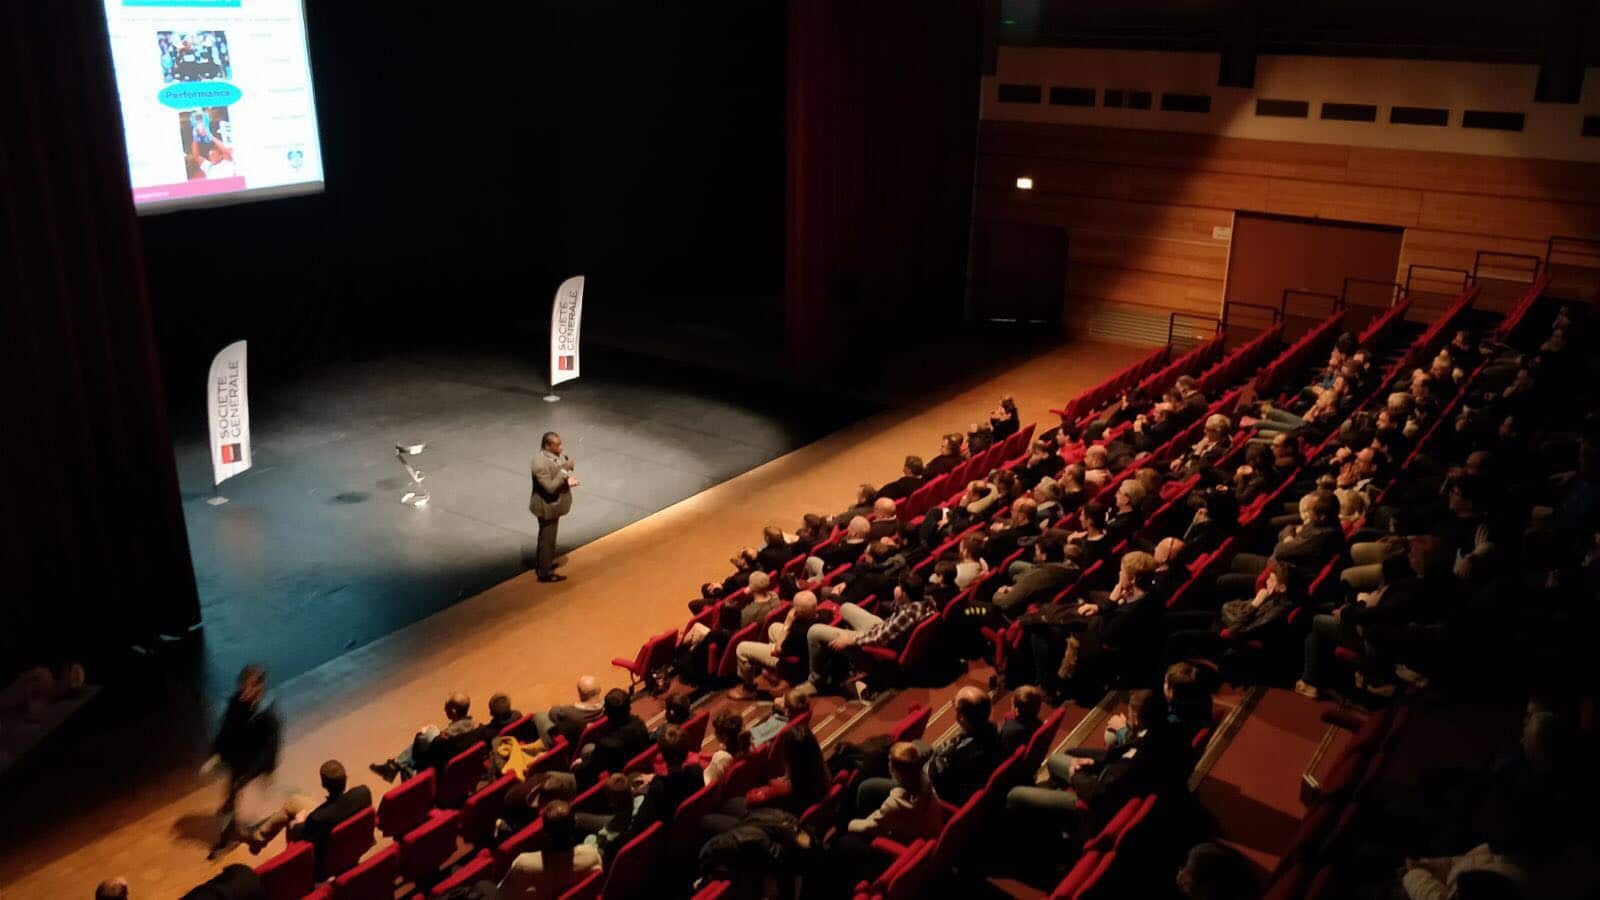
[1303, 548]
[666, 792]
[625, 738]
[1049, 574]
[247, 743]
[962, 765]
[433, 747]
[315, 824]
[775, 551]
[910, 480]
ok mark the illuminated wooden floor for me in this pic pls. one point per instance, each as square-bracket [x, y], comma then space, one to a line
[525, 638]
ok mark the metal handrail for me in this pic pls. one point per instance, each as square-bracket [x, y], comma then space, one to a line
[1466, 277]
[1395, 296]
[1228, 305]
[1283, 301]
[1477, 261]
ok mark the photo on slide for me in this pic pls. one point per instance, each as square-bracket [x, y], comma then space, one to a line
[194, 55]
[207, 138]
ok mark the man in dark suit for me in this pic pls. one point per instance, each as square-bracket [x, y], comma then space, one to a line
[666, 792]
[315, 824]
[247, 744]
[432, 747]
[962, 765]
[907, 482]
[1049, 574]
[884, 519]
[551, 499]
[775, 551]
[626, 737]
[949, 456]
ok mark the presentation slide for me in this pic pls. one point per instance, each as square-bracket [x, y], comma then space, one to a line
[216, 100]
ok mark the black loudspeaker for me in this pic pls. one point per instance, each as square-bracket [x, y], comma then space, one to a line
[1561, 70]
[1238, 45]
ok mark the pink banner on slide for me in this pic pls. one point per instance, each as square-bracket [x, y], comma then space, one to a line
[196, 188]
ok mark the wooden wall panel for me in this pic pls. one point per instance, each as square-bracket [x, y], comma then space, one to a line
[1352, 203]
[1142, 209]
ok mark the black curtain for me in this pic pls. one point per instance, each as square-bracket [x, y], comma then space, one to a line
[883, 118]
[94, 548]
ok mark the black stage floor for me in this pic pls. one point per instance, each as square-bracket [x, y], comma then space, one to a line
[314, 554]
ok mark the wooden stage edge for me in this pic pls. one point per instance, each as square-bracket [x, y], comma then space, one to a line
[528, 639]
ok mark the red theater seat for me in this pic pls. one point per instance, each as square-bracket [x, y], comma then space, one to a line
[406, 805]
[347, 843]
[291, 874]
[373, 879]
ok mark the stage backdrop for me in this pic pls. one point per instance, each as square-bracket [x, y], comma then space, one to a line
[92, 540]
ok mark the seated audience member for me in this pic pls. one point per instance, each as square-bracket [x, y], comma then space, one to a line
[601, 829]
[1091, 534]
[675, 710]
[910, 809]
[1124, 626]
[744, 562]
[112, 889]
[794, 703]
[624, 738]
[1393, 600]
[733, 743]
[1214, 442]
[501, 714]
[775, 550]
[527, 797]
[1191, 403]
[1199, 632]
[884, 519]
[1154, 760]
[561, 864]
[804, 782]
[1004, 420]
[814, 529]
[666, 792]
[234, 882]
[1124, 518]
[784, 639]
[849, 548]
[1043, 462]
[1041, 581]
[1479, 873]
[874, 574]
[760, 600]
[1216, 517]
[949, 457]
[1217, 872]
[971, 562]
[1152, 430]
[911, 478]
[961, 765]
[433, 746]
[310, 821]
[569, 721]
[1304, 548]
[1018, 729]
[1007, 535]
[866, 495]
[1096, 467]
[980, 437]
[825, 642]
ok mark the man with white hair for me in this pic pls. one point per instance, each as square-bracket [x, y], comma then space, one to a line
[851, 547]
[784, 639]
[1213, 443]
[570, 720]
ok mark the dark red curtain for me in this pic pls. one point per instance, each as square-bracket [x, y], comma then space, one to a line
[94, 548]
[882, 130]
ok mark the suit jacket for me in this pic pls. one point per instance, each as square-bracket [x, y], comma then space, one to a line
[249, 738]
[882, 528]
[771, 559]
[1152, 763]
[900, 487]
[1309, 550]
[962, 765]
[942, 464]
[551, 497]
[1038, 584]
[320, 822]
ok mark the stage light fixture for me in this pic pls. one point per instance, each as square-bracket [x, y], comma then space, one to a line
[1024, 184]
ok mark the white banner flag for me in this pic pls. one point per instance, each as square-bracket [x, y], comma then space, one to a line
[565, 319]
[228, 401]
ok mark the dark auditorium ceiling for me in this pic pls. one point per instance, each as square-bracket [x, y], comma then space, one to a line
[1476, 30]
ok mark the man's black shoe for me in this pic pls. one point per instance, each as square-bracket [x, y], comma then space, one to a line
[551, 576]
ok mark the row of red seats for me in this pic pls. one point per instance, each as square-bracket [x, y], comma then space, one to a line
[1246, 358]
[1519, 309]
[912, 869]
[1310, 865]
[1090, 401]
[1196, 360]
